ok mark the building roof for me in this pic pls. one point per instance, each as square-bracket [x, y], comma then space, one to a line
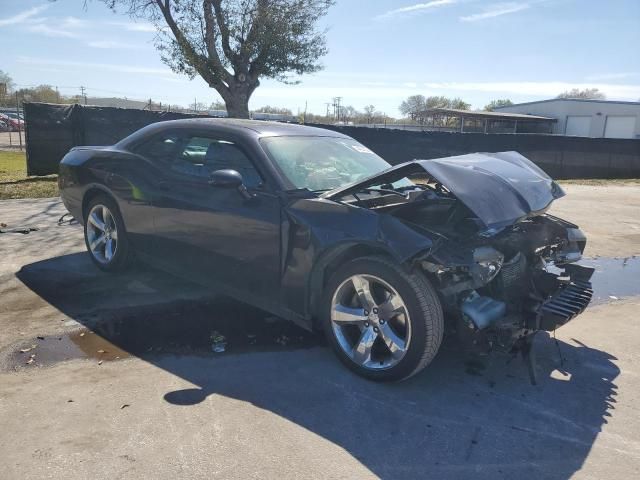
[486, 115]
[583, 100]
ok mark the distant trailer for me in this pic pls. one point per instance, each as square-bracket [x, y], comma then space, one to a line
[275, 117]
[218, 113]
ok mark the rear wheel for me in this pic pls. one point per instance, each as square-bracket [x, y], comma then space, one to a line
[105, 235]
[383, 322]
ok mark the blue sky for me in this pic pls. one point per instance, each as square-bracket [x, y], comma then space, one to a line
[381, 51]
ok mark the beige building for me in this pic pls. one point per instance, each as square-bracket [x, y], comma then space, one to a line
[585, 118]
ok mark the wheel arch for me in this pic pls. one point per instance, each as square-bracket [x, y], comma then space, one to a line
[92, 192]
[330, 261]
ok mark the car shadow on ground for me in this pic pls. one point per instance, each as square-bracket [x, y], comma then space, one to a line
[461, 417]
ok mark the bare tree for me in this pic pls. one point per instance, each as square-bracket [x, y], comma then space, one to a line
[217, 105]
[6, 79]
[41, 93]
[369, 112]
[274, 110]
[6, 87]
[231, 44]
[587, 93]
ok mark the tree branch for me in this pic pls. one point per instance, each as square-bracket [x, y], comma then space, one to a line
[209, 76]
[224, 32]
[210, 41]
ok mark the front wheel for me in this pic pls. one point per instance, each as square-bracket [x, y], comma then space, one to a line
[383, 323]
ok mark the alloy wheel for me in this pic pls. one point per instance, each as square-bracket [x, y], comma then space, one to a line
[370, 322]
[102, 234]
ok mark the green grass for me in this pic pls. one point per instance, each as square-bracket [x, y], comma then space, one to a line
[14, 182]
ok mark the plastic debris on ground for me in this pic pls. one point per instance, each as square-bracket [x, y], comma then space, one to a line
[218, 342]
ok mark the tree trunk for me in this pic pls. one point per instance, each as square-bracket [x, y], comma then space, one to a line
[237, 108]
[237, 101]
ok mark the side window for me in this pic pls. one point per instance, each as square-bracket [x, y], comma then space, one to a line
[202, 156]
[162, 147]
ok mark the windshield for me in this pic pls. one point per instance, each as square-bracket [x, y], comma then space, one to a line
[322, 163]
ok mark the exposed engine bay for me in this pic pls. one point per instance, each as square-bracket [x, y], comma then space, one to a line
[500, 279]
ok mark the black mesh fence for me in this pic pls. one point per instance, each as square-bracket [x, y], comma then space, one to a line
[560, 156]
[51, 130]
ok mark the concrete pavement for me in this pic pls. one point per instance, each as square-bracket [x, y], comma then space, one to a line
[281, 406]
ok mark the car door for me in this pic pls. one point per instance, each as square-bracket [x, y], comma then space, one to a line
[217, 235]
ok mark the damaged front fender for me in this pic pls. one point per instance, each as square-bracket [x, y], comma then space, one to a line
[319, 235]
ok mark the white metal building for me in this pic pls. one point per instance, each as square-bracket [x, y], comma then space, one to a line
[586, 118]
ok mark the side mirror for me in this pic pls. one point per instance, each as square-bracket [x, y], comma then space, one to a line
[225, 179]
[228, 178]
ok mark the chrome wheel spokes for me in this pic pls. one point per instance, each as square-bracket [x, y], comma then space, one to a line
[370, 321]
[102, 234]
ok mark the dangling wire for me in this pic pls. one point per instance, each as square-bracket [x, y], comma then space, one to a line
[62, 220]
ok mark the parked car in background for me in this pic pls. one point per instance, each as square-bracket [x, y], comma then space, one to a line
[314, 227]
[13, 121]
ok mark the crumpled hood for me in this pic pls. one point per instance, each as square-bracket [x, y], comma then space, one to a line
[499, 188]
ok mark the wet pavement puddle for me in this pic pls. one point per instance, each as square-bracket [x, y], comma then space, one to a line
[223, 327]
[614, 278]
[211, 328]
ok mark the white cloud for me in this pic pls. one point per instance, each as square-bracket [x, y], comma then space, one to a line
[415, 9]
[542, 89]
[612, 76]
[135, 26]
[112, 44]
[22, 16]
[525, 89]
[44, 29]
[374, 84]
[496, 10]
[51, 27]
[75, 22]
[42, 62]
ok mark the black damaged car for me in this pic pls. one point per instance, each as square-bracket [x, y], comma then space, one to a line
[314, 227]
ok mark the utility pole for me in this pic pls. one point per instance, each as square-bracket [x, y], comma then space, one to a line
[336, 108]
[83, 94]
[19, 124]
[57, 95]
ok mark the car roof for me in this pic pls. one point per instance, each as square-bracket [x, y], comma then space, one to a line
[239, 127]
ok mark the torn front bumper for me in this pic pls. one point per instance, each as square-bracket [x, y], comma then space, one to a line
[573, 292]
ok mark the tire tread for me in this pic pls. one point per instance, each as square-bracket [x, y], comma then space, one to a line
[429, 307]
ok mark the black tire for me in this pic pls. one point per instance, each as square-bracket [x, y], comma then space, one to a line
[122, 257]
[422, 304]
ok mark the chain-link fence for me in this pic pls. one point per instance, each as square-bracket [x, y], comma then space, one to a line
[12, 129]
[12, 140]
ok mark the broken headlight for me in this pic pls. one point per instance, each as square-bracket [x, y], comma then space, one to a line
[573, 251]
[487, 262]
